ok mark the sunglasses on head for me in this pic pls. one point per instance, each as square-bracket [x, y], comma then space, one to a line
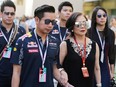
[99, 15]
[48, 21]
[80, 23]
[11, 13]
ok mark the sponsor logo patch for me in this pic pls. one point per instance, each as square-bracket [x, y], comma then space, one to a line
[31, 44]
[15, 49]
[33, 50]
[55, 31]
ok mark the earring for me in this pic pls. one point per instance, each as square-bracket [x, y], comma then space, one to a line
[72, 30]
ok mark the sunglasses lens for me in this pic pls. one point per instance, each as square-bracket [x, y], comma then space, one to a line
[53, 22]
[77, 24]
[48, 21]
[99, 16]
[104, 15]
[11, 13]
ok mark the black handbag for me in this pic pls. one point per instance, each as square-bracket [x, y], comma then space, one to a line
[112, 83]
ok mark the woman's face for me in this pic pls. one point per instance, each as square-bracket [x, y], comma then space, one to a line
[101, 18]
[80, 27]
[113, 21]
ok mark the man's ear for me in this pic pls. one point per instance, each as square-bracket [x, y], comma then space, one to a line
[59, 13]
[36, 19]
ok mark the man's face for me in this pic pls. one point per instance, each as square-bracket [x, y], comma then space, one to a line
[8, 15]
[101, 18]
[65, 13]
[113, 21]
[45, 25]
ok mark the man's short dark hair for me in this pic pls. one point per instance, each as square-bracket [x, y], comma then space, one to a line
[39, 11]
[8, 3]
[65, 3]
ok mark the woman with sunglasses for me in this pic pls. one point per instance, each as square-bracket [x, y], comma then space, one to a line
[104, 36]
[79, 55]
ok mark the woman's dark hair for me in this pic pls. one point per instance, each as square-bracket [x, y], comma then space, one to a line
[94, 23]
[71, 21]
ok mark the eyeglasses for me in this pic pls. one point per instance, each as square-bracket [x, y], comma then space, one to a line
[48, 21]
[100, 15]
[11, 13]
[79, 24]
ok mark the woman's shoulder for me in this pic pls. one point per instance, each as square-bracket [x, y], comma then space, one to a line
[90, 41]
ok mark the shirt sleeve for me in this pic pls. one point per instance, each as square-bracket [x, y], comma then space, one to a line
[57, 59]
[17, 53]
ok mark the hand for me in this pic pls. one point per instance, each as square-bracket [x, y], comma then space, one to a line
[68, 85]
[63, 78]
[111, 76]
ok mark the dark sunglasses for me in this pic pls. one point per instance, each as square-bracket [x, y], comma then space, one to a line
[79, 24]
[11, 13]
[48, 21]
[99, 15]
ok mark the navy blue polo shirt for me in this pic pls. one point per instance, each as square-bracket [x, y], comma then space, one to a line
[27, 54]
[5, 65]
[60, 32]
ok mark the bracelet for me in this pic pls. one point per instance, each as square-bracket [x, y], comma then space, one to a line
[61, 69]
[99, 85]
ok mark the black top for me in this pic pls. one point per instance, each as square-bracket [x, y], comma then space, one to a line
[27, 54]
[73, 64]
[109, 56]
[109, 43]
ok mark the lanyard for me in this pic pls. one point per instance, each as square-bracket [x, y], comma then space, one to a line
[8, 41]
[102, 46]
[61, 38]
[82, 56]
[43, 55]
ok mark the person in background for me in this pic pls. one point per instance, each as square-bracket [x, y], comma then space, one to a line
[60, 31]
[35, 54]
[79, 55]
[104, 36]
[9, 33]
[113, 27]
[89, 21]
[31, 23]
[23, 24]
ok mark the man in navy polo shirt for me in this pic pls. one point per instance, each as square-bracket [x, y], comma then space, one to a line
[9, 33]
[35, 54]
[60, 31]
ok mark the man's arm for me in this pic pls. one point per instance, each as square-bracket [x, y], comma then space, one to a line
[60, 75]
[16, 75]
